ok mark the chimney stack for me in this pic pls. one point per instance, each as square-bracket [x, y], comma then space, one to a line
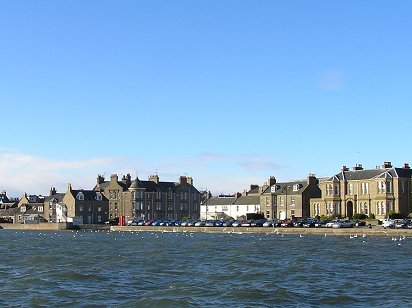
[387, 164]
[406, 166]
[272, 181]
[154, 178]
[312, 179]
[344, 168]
[358, 167]
[100, 179]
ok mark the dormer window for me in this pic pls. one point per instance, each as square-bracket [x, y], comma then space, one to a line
[80, 196]
[23, 209]
[296, 187]
[99, 197]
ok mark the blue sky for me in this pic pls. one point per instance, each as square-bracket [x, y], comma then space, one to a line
[228, 92]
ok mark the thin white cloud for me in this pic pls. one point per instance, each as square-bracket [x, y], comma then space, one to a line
[331, 80]
[21, 172]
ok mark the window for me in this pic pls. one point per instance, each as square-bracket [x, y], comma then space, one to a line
[389, 187]
[158, 206]
[99, 197]
[329, 189]
[99, 209]
[292, 201]
[381, 187]
[40, 208]
[296, 187]
[281, 201]
[336, 192]
[99, 218]
[292, 212]
[224, 208]
[90, 208]
[80, 196]
[351, 189]
[80, 208]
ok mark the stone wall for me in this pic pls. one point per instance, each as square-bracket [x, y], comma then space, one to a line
[40, 226]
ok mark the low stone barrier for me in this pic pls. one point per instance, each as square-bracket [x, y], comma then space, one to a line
[40, 226]
[360, 231]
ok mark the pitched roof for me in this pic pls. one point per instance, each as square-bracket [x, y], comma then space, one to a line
[89, 195]
[220, 201]
[356, 175]
[288, 187]
[58, 196]
[247, 200]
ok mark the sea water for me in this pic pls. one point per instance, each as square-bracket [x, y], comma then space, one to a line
[158, 269]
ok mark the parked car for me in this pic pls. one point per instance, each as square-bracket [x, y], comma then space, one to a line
[342, 224]
[209, 223]
[330, 223]
[200, 223]
[401, 224]
[388, 223]
[360, 223]
[286, 223]
[268, 223]
[218, 223]
[310, 223]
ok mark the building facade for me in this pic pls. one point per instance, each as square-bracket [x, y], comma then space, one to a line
[151, 199]
[289, 200]
[373, 192]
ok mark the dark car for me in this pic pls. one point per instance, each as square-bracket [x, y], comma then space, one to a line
[113, 222]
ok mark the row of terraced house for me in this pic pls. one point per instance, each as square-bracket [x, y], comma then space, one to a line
[108, 200]
[373, 192]
[367, 191]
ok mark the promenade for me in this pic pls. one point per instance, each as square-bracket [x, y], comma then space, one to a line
[360, 231]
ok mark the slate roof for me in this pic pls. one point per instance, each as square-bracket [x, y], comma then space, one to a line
[247, 200]
[287, 187]
[58, 196]
[9, 212]
[89, 195]
[219, 201]
[372, 173]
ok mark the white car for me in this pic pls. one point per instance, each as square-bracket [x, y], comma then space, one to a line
[342, 224]
[389, 223]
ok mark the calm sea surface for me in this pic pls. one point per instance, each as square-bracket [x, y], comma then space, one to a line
[87, 269]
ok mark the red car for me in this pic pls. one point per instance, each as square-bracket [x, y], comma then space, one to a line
[286, 223]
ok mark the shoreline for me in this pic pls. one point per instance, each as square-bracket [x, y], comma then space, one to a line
[360, 231]
[376, 230]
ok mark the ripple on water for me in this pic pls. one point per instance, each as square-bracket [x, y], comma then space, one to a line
[183, 269]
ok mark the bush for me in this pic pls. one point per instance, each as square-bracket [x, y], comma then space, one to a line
[360, 216]
[372, 216]
[394, 215]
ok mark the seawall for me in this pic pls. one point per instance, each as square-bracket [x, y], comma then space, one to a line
[360, 231]
[40, 226]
